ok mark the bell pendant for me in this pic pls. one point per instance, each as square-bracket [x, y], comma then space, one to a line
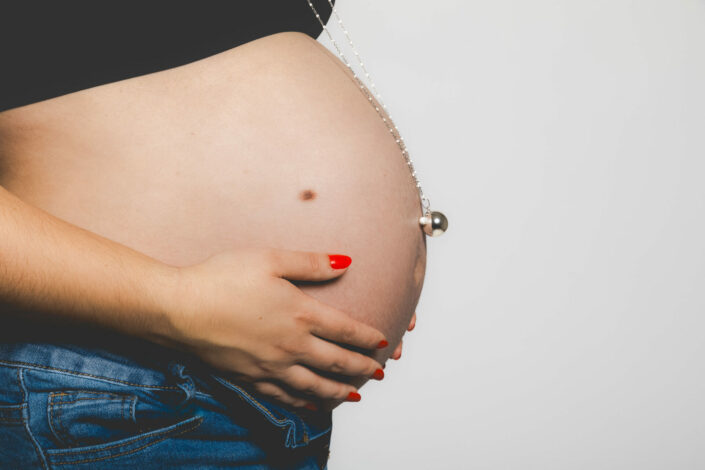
[434, 223]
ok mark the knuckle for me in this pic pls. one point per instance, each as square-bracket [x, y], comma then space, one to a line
[266, 368]
[338, 365]
[304, 316]
[290, 349]
[314, 262]
[312, 389]
[348, 332]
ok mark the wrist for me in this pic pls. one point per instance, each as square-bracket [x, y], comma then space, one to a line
[162, 307]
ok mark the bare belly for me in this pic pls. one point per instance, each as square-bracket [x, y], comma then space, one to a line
[269, 144]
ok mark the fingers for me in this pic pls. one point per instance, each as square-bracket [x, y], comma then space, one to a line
[330, 357]
[397, 352]
[396, 355]
[305, 380]
[276, 392]
[332, 324]
[306, 265]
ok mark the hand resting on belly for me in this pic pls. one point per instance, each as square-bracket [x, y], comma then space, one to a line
[270, 145]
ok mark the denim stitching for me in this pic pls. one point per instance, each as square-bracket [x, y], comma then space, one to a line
[73, 391]
[82, 374]
[260, 405]
[320, 434]
[197, 422]
[42, 459]
[11, 420]
[64, 435]
[50, 411]
[112, 396]
[191, 427]
[283, 422]
[60, 430]
[62, 403]
[20, 406]
[57, 424]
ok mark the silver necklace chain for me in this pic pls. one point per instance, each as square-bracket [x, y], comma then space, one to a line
[425, 203]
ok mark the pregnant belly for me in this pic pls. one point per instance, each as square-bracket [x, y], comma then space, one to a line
[270, 144]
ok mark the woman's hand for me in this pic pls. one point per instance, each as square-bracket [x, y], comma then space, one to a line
[238, 312]
[397, 352]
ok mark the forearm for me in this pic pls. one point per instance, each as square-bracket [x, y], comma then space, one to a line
[62, 271]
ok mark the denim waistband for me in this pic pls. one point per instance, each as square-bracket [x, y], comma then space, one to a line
[124, 360]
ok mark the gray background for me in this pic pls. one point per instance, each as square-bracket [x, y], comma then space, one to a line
[561, 323]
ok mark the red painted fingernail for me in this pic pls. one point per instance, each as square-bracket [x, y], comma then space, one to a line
[339, 261]
[311, 406]
[353, 396]
[379, 374]
[382, 344]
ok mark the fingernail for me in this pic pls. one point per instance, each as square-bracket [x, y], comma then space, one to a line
[382, 344]
[353, 396]
[378, 375]
[311, 406]
[339, 261]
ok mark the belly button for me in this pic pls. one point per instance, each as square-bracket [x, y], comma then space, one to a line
[307, 195]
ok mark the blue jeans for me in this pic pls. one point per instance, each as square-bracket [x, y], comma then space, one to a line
[114, 402]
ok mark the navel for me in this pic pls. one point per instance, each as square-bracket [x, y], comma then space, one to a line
[307, 195]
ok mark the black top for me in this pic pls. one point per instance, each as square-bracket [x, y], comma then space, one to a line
[50, 48]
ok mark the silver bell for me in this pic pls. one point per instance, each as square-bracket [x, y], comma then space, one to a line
[434, 223]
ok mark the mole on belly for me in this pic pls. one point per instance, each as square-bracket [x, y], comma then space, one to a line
[307, 195]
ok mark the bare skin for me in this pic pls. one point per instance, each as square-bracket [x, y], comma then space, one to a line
[267, 146]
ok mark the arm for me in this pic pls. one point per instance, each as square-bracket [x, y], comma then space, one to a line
[236, 310]
[50, 266]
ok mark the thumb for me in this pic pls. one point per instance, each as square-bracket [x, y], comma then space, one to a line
[309, 266]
